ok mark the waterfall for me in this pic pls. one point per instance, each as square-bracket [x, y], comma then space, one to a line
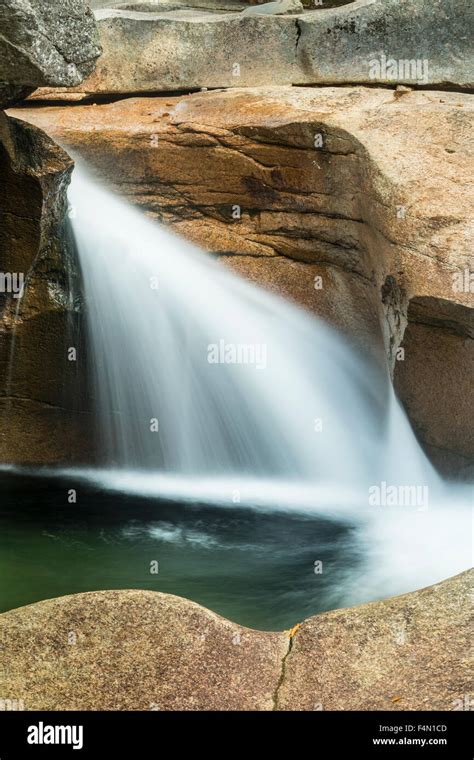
[211, 391]
[199, 374]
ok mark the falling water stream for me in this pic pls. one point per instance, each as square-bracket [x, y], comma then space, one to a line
[200, 375]
[212, 389]
[212, 393]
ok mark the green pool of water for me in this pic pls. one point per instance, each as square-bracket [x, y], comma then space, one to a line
[256, 568]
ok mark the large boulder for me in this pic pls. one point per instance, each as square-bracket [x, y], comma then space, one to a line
[156, 47]
[44, 42]
[341, 184]
[414, 42]
[187, 49]
[141, 650]
[135, 650]
[412, 652]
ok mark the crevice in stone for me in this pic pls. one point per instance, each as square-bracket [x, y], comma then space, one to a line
[218, 254]
[282, 674]
[85, 99]
[395, 305]
[434, 87]
[41, 402]
[298, 35]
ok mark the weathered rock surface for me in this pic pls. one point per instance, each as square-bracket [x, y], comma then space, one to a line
[435, 382]
[57, 44]
[412, 652]
[160, 48]
[368, 189]
[189, 49]
[343, 45]
[11, 94]
[154, 6]
[36, 329]
[47, 43]
[140, 650]
[135, 650]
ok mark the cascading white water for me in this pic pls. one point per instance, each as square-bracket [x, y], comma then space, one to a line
[208, 387]
[200, 373]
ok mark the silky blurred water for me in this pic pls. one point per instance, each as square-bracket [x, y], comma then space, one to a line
[198, 373]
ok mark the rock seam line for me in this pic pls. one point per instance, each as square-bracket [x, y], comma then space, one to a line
[281, 677]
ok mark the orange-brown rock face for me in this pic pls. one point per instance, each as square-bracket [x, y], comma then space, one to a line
[353, 202]
[41, 44]
[39, 408]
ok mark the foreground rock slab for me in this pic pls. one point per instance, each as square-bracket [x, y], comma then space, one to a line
[140, 650]
[135, 650]
[156, 47]
[413, 652]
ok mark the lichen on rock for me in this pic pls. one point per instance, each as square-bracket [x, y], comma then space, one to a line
[47, 43]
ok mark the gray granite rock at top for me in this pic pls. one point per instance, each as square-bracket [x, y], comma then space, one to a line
[46, 42]
[419, 42]
[412, 42]
[190, 49]
[156, 6]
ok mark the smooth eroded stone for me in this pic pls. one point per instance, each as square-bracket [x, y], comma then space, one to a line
[412, 652]
[135, 650]
[144, 650]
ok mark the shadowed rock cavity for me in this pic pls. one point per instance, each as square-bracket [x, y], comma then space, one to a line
[435, 381]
